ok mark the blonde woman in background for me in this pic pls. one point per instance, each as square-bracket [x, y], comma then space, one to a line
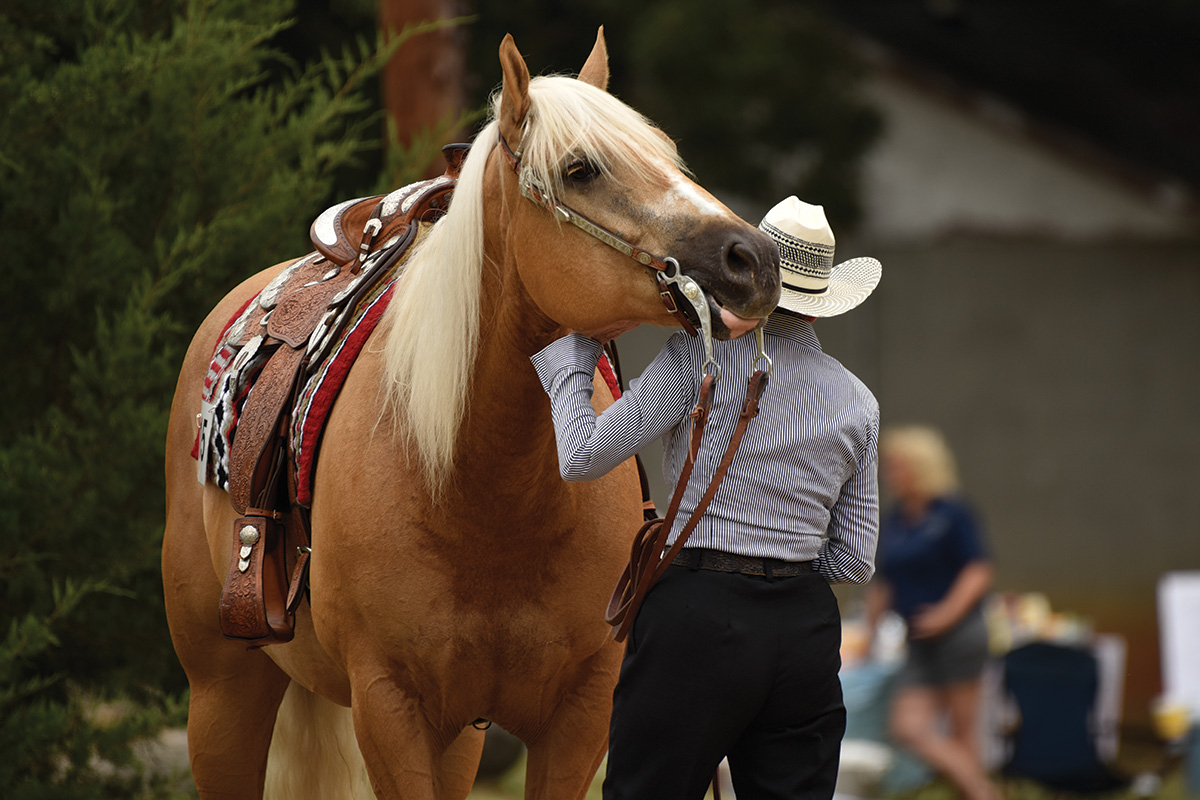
[934, 571]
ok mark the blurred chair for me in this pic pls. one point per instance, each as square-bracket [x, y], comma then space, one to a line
[871, 765]
[1053, 737]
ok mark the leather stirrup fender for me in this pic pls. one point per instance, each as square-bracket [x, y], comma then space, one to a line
[254, 600]
[243, 583]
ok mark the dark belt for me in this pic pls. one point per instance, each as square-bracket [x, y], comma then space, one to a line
[701, 558]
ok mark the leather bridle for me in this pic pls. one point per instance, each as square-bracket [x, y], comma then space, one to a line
[672, 283]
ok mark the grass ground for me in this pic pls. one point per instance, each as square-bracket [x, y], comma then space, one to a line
[511, 785]
[1135, 758]
[511, 788]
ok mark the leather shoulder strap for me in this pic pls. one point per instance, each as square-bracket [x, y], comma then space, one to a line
[648, 562]
[756, 384]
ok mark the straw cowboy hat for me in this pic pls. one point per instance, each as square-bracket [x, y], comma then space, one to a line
[812, 285]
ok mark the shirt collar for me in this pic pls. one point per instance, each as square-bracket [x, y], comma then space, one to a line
[791, 327]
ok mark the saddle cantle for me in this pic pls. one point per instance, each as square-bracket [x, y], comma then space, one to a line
[281, 336]
[351, 229]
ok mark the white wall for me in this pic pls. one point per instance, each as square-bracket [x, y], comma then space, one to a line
[949, 162]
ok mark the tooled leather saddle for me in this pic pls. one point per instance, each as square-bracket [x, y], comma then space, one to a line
[357, 243]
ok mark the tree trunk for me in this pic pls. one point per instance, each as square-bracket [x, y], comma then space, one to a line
[424, 82]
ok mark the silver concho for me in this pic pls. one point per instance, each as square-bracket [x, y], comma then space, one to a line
[248, 535]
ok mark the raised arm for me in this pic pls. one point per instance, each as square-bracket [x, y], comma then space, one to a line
[590, 446]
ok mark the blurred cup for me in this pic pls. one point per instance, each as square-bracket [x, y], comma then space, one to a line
[1172, 718]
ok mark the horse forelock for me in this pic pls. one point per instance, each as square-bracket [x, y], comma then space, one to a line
[570, 120]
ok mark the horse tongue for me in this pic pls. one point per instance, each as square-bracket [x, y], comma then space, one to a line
[737, 325]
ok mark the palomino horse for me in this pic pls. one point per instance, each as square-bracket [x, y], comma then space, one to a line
[454, 575]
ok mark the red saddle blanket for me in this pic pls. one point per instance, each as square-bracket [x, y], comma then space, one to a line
[322, 387]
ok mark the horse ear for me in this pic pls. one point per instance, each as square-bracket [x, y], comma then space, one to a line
[514, 103]
[595, 69]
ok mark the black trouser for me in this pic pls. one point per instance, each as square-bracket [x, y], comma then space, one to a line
[723, 664]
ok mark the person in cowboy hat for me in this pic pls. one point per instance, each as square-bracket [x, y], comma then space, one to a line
[735, 651]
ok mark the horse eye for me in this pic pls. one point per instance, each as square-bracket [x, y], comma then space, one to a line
[580, 171]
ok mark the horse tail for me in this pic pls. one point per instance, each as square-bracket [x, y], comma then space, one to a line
[313, 751]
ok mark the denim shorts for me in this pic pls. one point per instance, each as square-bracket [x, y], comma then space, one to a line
[954, 657]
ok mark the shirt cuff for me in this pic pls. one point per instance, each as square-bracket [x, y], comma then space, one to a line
[572, 353]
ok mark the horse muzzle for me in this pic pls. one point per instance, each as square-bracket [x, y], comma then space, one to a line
[742, 284]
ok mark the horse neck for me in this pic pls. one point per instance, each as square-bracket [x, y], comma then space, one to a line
[507, 445]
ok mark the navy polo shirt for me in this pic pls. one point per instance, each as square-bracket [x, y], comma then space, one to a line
[922, 559]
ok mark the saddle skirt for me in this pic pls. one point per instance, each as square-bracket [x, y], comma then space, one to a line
[243, 348]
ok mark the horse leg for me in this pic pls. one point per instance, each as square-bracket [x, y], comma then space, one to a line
[230, 720]
[406, 758]
[460, 764]
[395, 741]
[563, 759]
[235, 692]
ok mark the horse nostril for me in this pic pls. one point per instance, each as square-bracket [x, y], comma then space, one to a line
[740, 257]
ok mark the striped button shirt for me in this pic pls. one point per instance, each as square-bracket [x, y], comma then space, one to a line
[803, 485]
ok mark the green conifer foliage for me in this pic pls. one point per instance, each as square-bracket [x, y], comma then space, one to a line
[152, 155]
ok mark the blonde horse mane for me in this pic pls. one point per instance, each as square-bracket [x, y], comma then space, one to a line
[432, 325]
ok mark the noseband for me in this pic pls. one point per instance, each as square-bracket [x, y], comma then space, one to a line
[672, 283]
